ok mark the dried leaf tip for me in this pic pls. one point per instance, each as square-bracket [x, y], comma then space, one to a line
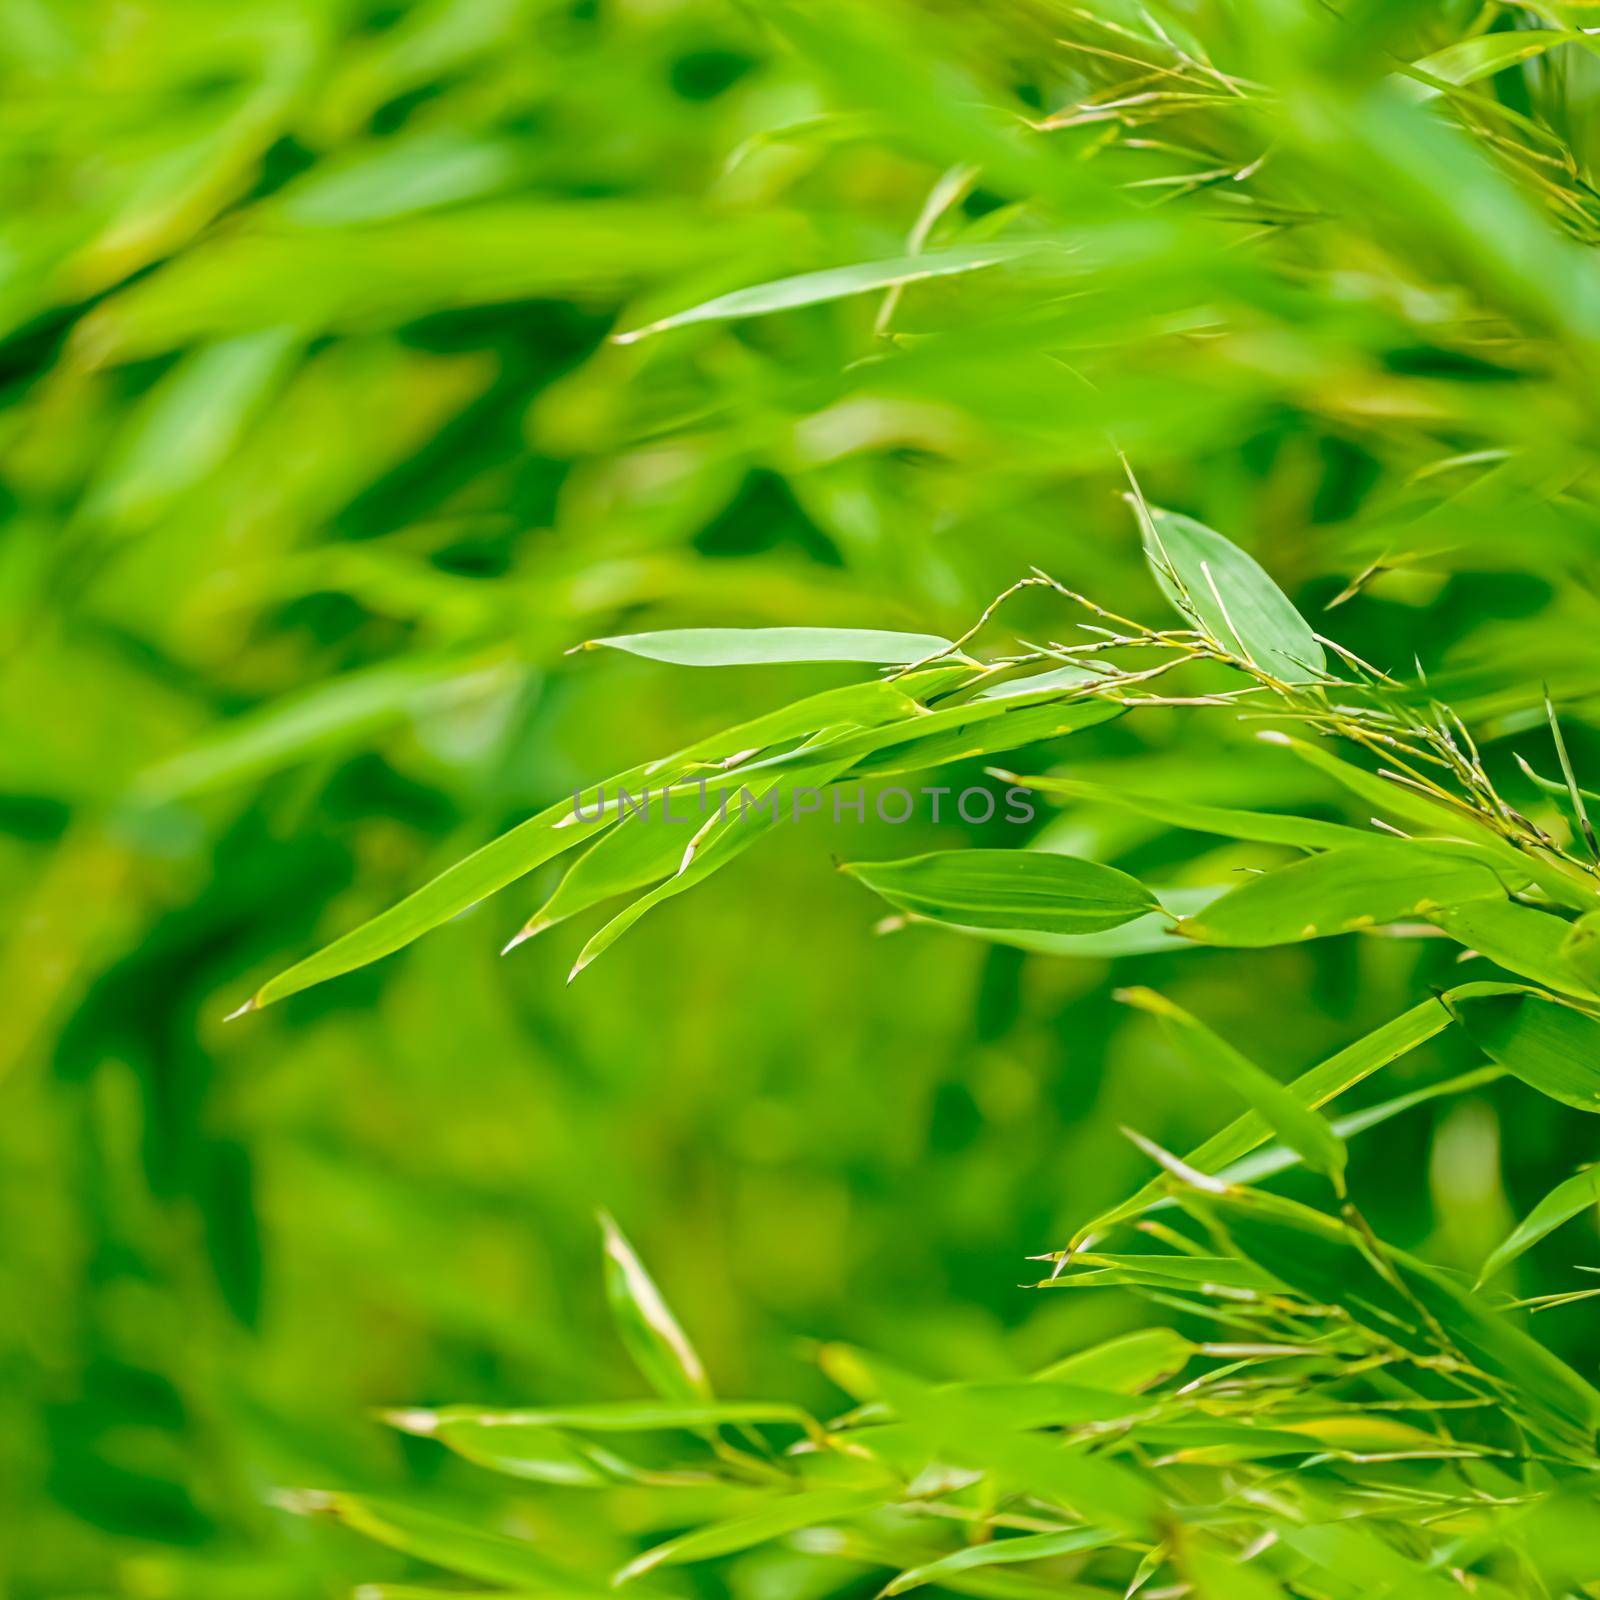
[422, 1423]
[522, 935]
[248, 1006]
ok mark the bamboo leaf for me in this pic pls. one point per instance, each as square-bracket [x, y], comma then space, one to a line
[750, 647]
[1228, 596]
[1024, 889]
[837, 283]
[1300, 1127]
[1341, 891]
[1578, 1193]
[660, 1348]
[1547, 1044]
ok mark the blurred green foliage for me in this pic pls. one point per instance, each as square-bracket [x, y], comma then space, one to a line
[316, 460]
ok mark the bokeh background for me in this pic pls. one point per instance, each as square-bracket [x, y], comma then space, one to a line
[316, 462]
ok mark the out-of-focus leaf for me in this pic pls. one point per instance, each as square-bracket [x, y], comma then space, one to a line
[1580, 944]
[998, 1552]
[1219, 1574]
[1296, 1123]
[1578, 1193]
[1028, 889]
[330, 715]
[470, 1551]
[838, 283]
[962, 1429]
[1548, 1045]
[1127, 1364]
[1341, 891]
[785, 1515]
[1227, 595]
[660, 1348]
[1471, 60]
[745, 647]
[613, 1416]
[187, 425]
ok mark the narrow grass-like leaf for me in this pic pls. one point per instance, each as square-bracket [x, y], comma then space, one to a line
[471, 1551]
[1324, 1082]
[785, 1515]
[1581, 1192]
[660, 1348]
[1000, 1552]
[558, 827]
[1300, 1127]
[963, 1429]
[1472, 60]
[1564, 883]
[837, 283]
[1265, 827]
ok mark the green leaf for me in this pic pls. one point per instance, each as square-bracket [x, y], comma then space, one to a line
[751, 647]
[1226, 594]
[660, 1348]
[1531, 943]
[1535, 1037]
[1065, 677]
[1300, 1127]
[470, 1551]
[1564, 884]
[611, 1416]
[1471, 60]
[1126, 1364]
[515, 854]
[1581, 1192]
[1276, 1158]
[327, 717]
[1324, 1082]
[1028, 889]
[837, 283]
[783, 1516]
[1151, 934]
[1217, 1573]
[980, 728]
[758, 810]
[1341, 891]
[997, 1552]
[962, 1428]
[1580, 947]
[1265, 827]
[1322, 1260]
